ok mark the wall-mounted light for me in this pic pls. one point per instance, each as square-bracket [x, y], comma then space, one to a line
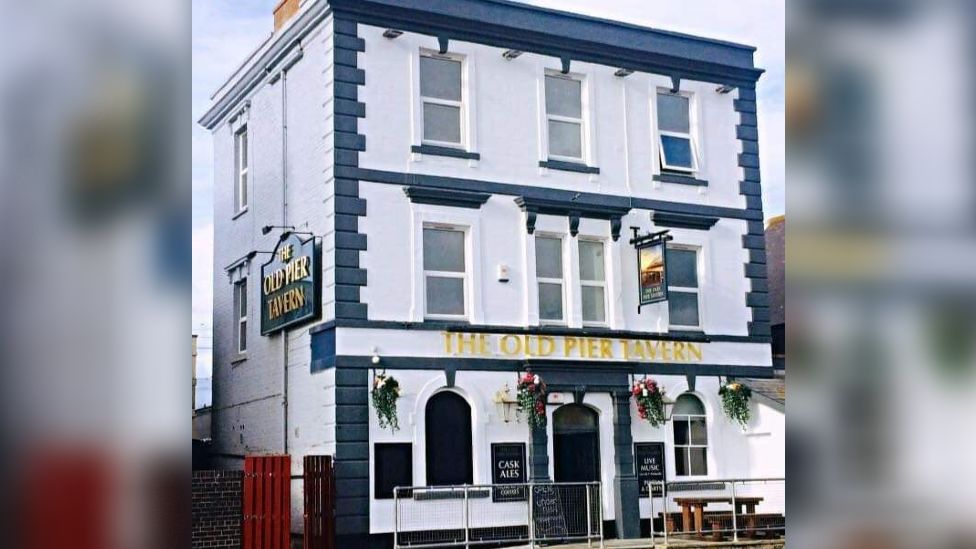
[268, 228]
[391, 33]
[506, 403]
[511, 54]
[724, 89]
[623, 72]
[376, 356]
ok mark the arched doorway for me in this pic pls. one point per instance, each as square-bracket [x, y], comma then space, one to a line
[447, 421]
[576, 444]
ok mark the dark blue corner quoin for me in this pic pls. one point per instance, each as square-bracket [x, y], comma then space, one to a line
[349, 207]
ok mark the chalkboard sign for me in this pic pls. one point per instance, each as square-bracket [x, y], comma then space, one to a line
[548, 514]
[508, 467]
[649, 462]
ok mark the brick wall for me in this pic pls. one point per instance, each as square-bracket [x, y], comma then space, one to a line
[217, 508]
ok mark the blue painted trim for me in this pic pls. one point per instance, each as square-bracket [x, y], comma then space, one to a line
[757, 256]
[749, 188]
[755, 270]
[347, 187]
[444, 197]
[679, 179]
[445, 151]
[760, 314]
[684, 221]
[760, 284]
[757, 299]
[754, 242]
[741, 105]
[568, 166]
[570, 208]
[748, 119]
[747, 132]
[347, 222]
[581, 198]
[571, 367]
[512, 25]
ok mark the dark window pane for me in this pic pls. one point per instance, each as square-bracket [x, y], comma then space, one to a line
[564, 97]
[699, 435]
[242, 337]
[550, 301]
[548, 257]
[680, 431]
[448, 432]
[688, 405]
[682, 268]
[445, 296]
[242, 298]
[699, 462]
[681, 462]
[392, 467]
[443, 250]
[440, 78]
[672, 113]
[677, 151]
[683, 308]
[442, 123]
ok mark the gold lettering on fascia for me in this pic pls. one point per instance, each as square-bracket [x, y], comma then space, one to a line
[594, 348]
[295, 270]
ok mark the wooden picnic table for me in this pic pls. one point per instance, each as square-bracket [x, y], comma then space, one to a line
[696, 506]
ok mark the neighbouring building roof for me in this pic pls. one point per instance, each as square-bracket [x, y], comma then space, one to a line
[773, 388]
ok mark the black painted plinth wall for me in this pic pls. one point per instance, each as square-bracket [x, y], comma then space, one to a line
[626, 502]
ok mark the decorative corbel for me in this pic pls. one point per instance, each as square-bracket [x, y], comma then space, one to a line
[574, 219]
[579, 392]
[675, 83]
[691, 381]
[530, 218]
[566, 62]
[615, 228]
[450, 372]
[442, 43]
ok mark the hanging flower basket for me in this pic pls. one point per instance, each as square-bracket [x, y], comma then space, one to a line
[385, 393]
[531, 398]
[650, 401]
[735, 402]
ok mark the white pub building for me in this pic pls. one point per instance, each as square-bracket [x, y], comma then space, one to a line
[451, 192]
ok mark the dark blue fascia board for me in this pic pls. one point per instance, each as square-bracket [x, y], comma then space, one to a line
[512, 25]
[445, 197]
[445, 151]
[554, 206]
[517, 365]
[680, 179]
[562, 165]
[684, 221]
[579, 199]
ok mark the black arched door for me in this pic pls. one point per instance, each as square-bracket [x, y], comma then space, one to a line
[448, 425]
[576, 444]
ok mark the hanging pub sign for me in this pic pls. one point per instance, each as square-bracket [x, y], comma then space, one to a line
[290, 288]
[649, 463]
[652, 280]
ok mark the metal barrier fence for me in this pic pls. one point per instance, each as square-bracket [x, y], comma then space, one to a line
[440, 516]
[718, 510]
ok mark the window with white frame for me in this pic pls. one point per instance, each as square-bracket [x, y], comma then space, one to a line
[676, 142]
[441, 98]
[683, 291]
[564, 117]
[549, 275]
[240, 169]
[240, 307]
[445, 275]
[690, 436]
[593, 281]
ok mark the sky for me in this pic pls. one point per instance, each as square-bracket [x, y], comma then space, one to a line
[226, 31]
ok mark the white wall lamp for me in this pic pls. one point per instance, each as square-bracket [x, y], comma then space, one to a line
[376, 357]
[506, 403]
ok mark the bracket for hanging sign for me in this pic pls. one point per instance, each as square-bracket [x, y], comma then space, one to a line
[652, 284]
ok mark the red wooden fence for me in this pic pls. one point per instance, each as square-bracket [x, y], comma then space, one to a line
[267, 502]
[319, 503]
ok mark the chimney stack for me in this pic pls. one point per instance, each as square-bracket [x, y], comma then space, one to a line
[284, 11]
